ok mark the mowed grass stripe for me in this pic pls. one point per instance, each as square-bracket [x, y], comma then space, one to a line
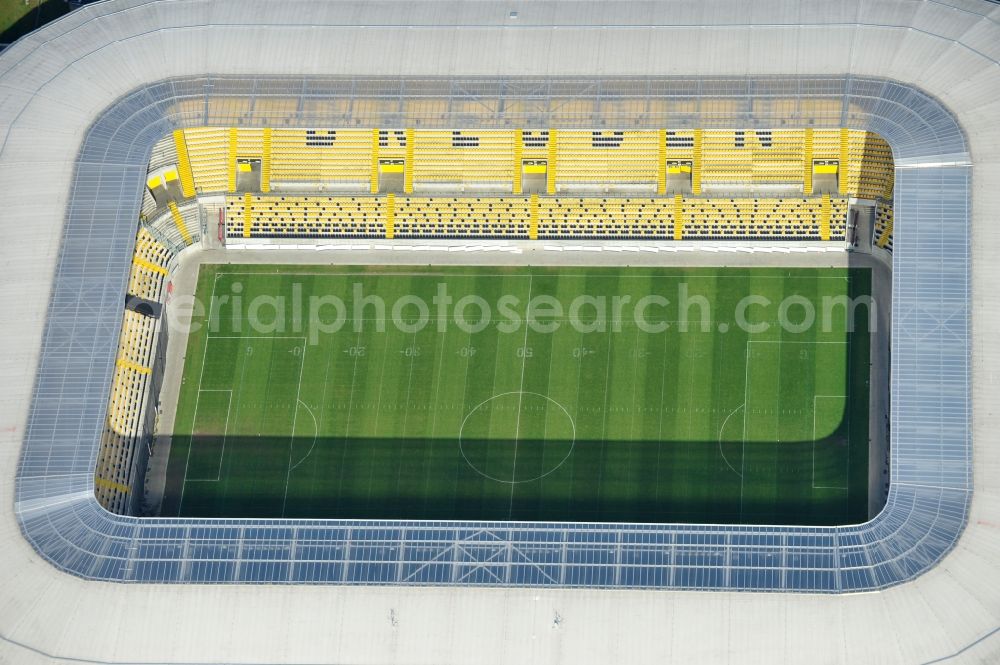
[374, 427]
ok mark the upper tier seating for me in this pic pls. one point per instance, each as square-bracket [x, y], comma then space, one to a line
[208, 154]
[747, 157]
[870, 166]
[453, 160]
[321, 155]
[463, 157]
[606, 157]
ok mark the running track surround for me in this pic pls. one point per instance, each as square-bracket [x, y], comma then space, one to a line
[931, 443]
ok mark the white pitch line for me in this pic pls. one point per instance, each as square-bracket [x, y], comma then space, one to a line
[777, 399]
[197, 399]
[239, 393]
[545, 423]
[315, 437]
[576, 397]
[555, 272]
[361, 275]
[604, 418]
[378, 409]
[295, 417]
[635, 388]
[847, 411]
[520, 397]
[790, 341]
[257, 337]
[746, 403]
[722, 431]
[350, 409]
[316, 424]
[406, 408]
[814, 444]
[847, 406]
[746, 408]
[225, 435]
[465, 414]
[437, 393]
[846, 402]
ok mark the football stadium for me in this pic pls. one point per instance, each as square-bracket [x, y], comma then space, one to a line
[501, 332]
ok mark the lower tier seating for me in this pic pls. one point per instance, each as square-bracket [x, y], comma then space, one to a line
[156, 242]
[565, 217]
[746, 219]
[123, 428]
[149, 266]
[420, 217]
[260, 216]
[883, 226]
[397, 216]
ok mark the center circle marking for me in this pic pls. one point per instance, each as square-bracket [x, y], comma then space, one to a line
[465, 446]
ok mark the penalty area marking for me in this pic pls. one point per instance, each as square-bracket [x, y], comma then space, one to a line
[847, 474]
[225, 435]
[238, 388]
[746, 410]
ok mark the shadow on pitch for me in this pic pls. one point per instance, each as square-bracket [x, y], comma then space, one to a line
[430, 479]
[724, 481]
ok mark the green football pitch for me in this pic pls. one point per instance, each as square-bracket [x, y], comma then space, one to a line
[300, 397]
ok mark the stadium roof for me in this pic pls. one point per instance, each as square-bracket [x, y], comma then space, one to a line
[84, 98]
